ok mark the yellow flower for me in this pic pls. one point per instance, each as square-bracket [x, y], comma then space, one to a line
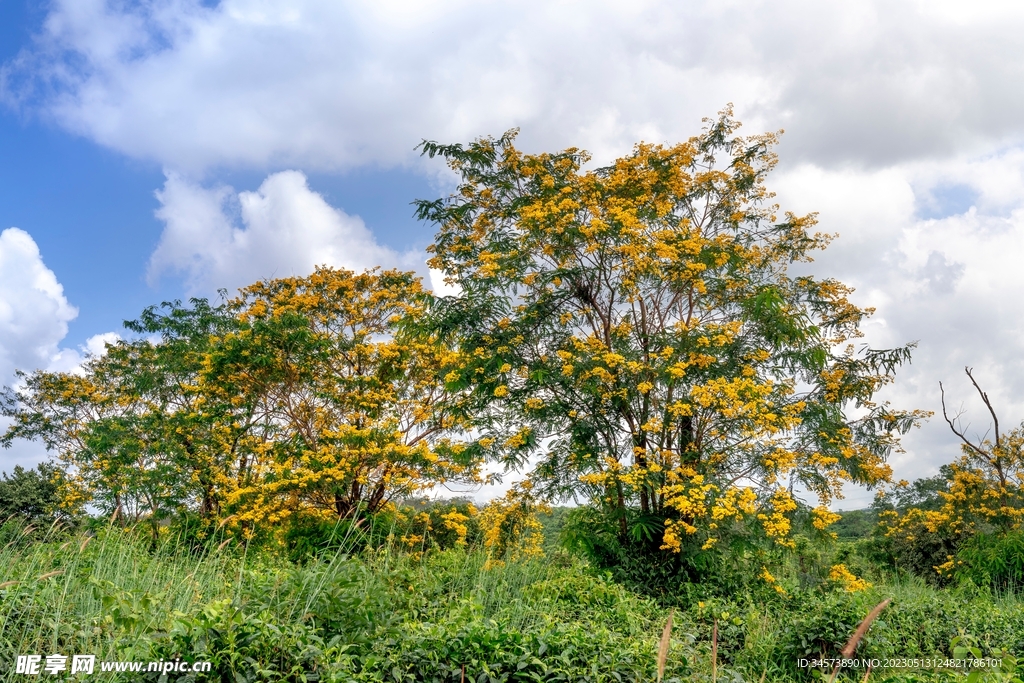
[844, 577]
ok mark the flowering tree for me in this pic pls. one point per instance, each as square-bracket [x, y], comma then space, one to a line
[132, 427]
[637, 329]
[351, 412]
[304, 396]
[986, 487]
[982, 492]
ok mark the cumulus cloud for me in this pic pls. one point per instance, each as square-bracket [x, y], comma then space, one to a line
[34, 317]
[34, 313]
[218, 238]
[71, 360]
[322, 84]
[950, 282]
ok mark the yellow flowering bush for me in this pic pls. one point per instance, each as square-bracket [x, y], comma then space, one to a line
[981, 493]
[439, 525]
[843, 577]
[510, 525]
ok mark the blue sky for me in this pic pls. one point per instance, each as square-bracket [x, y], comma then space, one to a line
[91, 210]
[160, 149]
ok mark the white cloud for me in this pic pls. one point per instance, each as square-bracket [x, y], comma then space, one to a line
[34, 314]
[71, 360]
[440, 287]
[96, 345]
[952, 283]
[286, 229]
[322, 84]
[34, 317]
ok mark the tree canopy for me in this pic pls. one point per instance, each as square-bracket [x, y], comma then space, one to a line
[302, 396]
[637, 331]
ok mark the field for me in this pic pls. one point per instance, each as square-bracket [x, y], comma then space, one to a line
[385, 614]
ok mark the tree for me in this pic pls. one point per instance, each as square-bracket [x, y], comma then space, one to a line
[133, 427]
[924, 493]
[350, 407]
[986, 488]
[303, 396]
[30, 494]
[637, 329]
[981, 493]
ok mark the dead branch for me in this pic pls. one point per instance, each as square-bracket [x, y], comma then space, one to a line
[952, 424]
[984, 397]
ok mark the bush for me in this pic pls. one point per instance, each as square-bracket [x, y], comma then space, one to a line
[908, 545]
[308, 537]
[732, 566]
[384, 614]
[243, 646]
[493, 652]
[995, 560]
[822, 628]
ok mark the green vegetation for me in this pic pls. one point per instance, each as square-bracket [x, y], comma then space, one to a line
[241, 483]
[29, 495]
[388, 614]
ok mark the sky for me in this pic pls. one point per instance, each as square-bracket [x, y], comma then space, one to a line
[163, 149]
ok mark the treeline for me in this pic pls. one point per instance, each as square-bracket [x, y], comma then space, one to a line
[630, 337]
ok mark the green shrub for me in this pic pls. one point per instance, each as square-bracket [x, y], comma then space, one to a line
[440, 524]
[822, 628]
[995, 560]
[308, 538]
[244, 646]
[916, 550]
[383, 614]
[731, 567]
[491, 652]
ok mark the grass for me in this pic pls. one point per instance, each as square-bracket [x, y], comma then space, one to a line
[381, 615]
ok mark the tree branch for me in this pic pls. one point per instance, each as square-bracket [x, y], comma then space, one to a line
[984, 397]
[952, 424]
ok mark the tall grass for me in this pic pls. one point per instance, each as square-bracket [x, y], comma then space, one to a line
[96, 591]
[112, 595]
[370, 614]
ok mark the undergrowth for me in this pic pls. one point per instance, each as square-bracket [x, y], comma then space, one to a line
[363, 614]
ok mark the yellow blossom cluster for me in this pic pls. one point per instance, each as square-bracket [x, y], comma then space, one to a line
[510, 525]
[767, 577]
[847, 579]
[456, 521]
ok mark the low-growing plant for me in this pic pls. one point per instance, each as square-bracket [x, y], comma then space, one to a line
[382, 612]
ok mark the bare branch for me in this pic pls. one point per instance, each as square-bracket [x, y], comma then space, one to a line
[984, 397]
[952, 424]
